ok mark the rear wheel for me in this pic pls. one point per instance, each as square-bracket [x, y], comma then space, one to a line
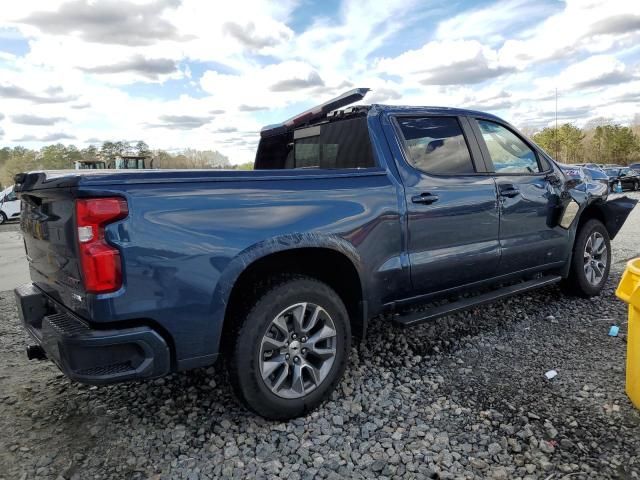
[636, 186]
[591, 260]
[291, 348]
[3, 218]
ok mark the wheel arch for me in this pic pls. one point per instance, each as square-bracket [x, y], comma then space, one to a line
[612, 214]
[327, 258]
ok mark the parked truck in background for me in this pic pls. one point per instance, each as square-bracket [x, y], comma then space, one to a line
[350, 213]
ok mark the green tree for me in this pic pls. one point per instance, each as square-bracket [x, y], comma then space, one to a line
[89, 153]
[20, 160]
[244, 166]
[59, 157]
[5, 154]
[548, 140]
[570, 138]
[564, 144]
[142, 148]
[111, 150]
[614, 144]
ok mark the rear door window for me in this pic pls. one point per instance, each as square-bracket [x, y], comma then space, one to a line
[436, 145]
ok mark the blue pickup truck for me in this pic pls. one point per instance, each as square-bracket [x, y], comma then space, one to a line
[352, 212]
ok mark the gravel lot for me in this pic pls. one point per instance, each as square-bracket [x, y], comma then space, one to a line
[463, 397]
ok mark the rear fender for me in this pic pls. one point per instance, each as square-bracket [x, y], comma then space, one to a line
[280, 244]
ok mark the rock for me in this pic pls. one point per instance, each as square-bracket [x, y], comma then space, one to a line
[546, 447]
[494, 448]
[478, 464]
[499, 473]
[231, 451]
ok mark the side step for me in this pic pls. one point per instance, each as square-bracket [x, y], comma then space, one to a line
[416, 318]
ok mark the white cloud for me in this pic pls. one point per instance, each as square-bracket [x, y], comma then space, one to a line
[260, 66]
[491, 23]
[448, 62]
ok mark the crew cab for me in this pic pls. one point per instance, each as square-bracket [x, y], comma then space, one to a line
[352, 212]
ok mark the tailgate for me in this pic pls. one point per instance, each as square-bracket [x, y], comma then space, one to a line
[48, 226]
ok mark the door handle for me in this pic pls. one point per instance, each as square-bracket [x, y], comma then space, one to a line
[509, 191]
[424, 198]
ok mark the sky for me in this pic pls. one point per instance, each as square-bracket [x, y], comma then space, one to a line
[208, 75]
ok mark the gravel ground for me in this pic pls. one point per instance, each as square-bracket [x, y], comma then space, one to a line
[463, 397]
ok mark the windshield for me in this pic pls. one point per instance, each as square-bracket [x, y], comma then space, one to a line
[7, 195]
[612, 172]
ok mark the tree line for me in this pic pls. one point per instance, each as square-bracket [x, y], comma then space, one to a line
[59, 157]
[600, 141]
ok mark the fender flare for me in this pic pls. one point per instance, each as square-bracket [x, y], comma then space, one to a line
[281, 243]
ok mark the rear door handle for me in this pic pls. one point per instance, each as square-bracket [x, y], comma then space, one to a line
[424, 198]
[509, 191]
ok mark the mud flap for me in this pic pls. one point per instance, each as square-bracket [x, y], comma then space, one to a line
[616, 213]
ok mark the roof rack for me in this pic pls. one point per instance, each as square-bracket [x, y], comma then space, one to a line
[315, 113]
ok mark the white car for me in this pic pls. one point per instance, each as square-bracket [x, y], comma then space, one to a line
[9, 205]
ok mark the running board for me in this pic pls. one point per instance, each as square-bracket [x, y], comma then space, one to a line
[416, 318]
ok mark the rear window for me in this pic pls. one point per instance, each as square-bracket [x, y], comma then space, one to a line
[335, 145]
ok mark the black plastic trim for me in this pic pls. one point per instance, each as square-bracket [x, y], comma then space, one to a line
[88, 355]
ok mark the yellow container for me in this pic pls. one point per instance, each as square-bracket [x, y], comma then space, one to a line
[629, 291]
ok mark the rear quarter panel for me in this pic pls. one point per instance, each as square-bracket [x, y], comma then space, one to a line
[184, 244]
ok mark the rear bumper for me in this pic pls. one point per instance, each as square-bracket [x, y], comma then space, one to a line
[88, 355]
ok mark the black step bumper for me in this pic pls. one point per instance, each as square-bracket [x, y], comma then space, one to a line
[86, 354]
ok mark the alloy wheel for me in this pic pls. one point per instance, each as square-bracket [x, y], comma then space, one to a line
[596, 258]
[298, 350]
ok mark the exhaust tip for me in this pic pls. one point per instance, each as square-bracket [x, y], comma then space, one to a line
[36, 352]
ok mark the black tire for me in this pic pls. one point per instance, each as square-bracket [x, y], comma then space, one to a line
[636, 186]
[3, 218]
[244, 360]
[577, 282]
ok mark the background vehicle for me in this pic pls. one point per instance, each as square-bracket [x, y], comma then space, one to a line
[129, 162]
[9, 205]
[627, 177]
[90, 165]
[596, 175]
[350, 213]
[122, 162]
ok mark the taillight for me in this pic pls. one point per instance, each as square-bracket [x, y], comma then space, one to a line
[100, 262]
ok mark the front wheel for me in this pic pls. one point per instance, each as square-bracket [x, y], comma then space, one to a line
[591, 260]
[291, 349]
[3, 218]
